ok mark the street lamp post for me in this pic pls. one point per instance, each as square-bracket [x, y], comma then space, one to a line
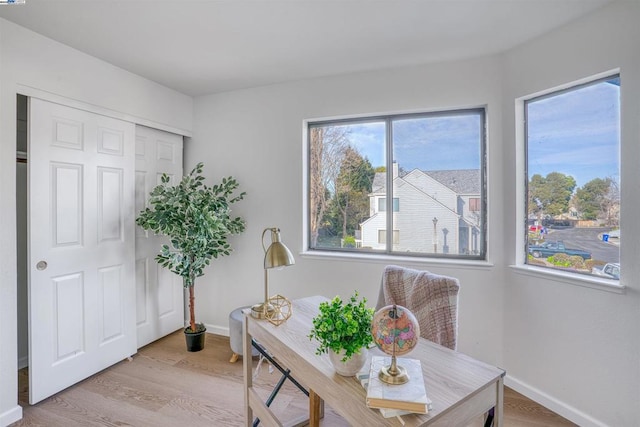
[435, 235]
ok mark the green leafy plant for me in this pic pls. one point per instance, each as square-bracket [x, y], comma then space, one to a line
[564, 260]
[343, 326]
[349, 241]
[197, 219]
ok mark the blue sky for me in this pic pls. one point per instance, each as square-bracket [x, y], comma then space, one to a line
[434, 143]
[575, 133]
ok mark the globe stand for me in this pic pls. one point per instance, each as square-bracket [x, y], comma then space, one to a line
[394, 373]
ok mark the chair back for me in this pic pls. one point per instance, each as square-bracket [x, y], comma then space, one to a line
[432, 298]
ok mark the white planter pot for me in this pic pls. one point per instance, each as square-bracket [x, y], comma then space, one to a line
[351, 366]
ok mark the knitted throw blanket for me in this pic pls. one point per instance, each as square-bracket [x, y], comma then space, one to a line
[432, 298]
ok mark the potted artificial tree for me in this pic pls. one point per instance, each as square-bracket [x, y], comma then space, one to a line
[343, 329]
[197, 220]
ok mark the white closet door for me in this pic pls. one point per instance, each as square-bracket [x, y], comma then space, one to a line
[81, 245]
[160, 296]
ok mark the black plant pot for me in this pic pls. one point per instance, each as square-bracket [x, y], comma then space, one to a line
[195, 340]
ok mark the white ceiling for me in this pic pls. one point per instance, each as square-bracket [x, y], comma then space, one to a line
[201, 47]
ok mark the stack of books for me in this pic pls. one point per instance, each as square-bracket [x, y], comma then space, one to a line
[394, 400]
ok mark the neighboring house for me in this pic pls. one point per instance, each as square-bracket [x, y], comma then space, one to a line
[433, 211]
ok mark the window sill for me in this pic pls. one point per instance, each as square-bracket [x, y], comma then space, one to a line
[395, 259]
[607, 285]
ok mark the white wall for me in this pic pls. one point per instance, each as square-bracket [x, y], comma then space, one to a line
[256, 136]
[33, 64]
[579, 346]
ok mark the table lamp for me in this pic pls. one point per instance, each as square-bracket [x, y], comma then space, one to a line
[276, 255]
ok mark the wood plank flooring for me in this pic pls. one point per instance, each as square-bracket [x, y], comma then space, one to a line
[164, 385]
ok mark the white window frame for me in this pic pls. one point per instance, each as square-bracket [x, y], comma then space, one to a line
[481, 261]
[520, 266]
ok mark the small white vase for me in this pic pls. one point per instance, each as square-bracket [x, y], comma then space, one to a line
[351, 366]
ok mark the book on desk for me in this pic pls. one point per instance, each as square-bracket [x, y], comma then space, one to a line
[395, 399]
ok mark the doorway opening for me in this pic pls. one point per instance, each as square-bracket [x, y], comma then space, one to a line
[22, 220]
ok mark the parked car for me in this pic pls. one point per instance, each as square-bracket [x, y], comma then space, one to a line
[548, 249]
[610, 270]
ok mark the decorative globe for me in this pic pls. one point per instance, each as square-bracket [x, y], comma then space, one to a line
[397, 327]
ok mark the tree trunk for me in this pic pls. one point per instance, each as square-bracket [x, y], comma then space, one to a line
[192, 315]
[344, 219]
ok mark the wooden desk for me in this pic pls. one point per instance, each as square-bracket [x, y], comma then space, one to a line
[460, 387]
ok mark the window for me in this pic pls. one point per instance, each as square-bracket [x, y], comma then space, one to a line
[573, 178]
[474, 204]
[382, 237]
[382, 204]
[360, 171]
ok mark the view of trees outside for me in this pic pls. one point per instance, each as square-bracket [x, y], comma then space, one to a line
[436, 176]
[340, 180]
[573, 204]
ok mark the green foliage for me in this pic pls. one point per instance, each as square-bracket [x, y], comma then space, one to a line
[197, 219]
[559, 259]
[343, 326]
[349, 204]
[592, 198]
[550, 195]
[567, 261]
[349, 242]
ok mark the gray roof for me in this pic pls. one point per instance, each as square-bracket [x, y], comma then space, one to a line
[379, 184]
[461, 181]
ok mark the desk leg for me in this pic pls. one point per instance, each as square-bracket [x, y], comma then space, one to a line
[316, 409]
[247, 364]
[498, 420]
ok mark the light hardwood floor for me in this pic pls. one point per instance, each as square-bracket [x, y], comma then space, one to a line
[164, 385]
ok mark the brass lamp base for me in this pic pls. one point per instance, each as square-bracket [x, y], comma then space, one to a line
[393, 374]
[278, 310]
[259, 312]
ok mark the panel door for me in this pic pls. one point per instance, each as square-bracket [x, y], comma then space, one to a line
[160, 295]
[81, 245]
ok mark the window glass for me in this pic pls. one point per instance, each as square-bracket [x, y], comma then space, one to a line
[382, 204]
[573, 179]
[437, 176]
[382, 236]
[343, 159]
[437, 169]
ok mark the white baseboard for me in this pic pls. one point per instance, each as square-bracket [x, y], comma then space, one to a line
[550, 402]
[11, 416]
[217, 330]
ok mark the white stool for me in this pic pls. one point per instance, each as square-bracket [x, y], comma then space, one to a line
[235, 334]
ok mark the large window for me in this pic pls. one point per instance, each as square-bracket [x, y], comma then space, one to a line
[573, 179]
[420, 175]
